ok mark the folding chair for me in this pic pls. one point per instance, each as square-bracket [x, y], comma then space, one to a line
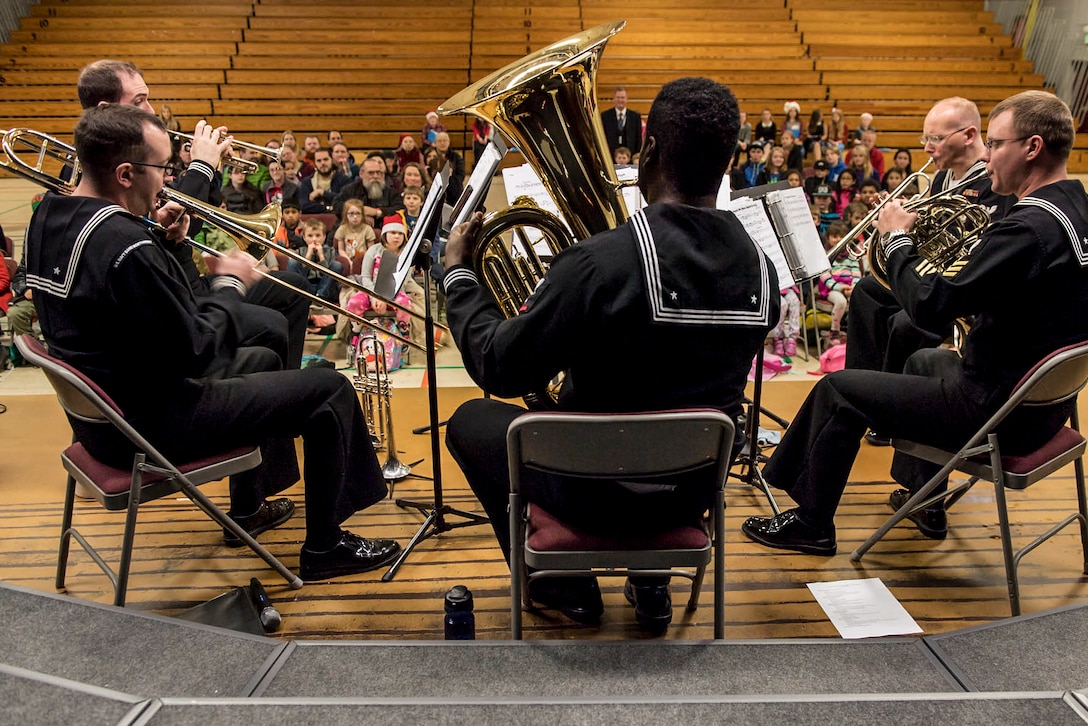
[1057, 378]
[152, 475]
[607, 447]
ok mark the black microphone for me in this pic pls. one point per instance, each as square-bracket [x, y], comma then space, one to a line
[270, 617]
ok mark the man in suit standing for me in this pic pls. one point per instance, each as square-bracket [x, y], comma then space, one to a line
[622, 125]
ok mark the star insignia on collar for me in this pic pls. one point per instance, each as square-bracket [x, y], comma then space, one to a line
[754, 299]
[56, 270]
[674, 296]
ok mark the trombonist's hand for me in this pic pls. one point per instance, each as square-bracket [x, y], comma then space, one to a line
[210, 144]
[893, 216]
[236, 264]
[172, 217]
[462, 241]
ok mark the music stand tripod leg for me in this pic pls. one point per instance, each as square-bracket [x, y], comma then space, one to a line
[434, 523]
[753, 476]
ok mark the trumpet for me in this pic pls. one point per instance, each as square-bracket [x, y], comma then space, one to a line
[248, 231]
[377, 397]
[237, 162]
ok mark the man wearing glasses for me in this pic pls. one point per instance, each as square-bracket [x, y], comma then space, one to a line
[275, 316]
[881, 335]
[105, 289]
[1025, 284]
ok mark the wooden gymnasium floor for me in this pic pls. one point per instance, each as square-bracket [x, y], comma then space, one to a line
[180, 560]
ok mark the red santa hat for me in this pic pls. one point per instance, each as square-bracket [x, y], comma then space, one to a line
[432, 113]
[393, 223]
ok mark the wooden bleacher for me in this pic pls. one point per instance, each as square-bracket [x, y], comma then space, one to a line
[268, 65]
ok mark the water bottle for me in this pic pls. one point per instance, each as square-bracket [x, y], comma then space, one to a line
[460, 621]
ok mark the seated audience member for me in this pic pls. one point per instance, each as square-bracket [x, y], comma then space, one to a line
[775, 168]
[180, 404]
[865, 125]
[942, 397]
[795, 159]
[334, 137]
[854, 213]
[621, 156]
[792, 123]
[838, 135]
[876, 156]
[834, 163]
[342, 160]
[408, 151]
[20, 310]
[431, 129]
[862, 167]
[835, 285]
[823, 198]
[869, 192]
[292, 171]
[747, 176]
[901, 162]
[845, 190]
[795, 178]
[597, 288]
[744, 137]
[820, 174]
[456, 183]
[287, 141]
[289, 233]
[322, 256]
[413, 203]
[765, 131]
[379, 198]
[892, 179]
[239, 195]
[279, 187]
[310, 145]
[317, 193]
[815, 134]
[481, 134]
[784, 335]
[415, 175]
[166, 115]
[353, 236]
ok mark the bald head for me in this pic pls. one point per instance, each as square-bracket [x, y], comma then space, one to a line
[952, 135]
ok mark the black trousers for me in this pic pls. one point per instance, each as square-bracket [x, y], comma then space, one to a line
[931, 403]
[271, 407]
[476, 437]
[882, 335]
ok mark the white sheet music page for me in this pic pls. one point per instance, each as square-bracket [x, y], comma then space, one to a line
[790, 212]
[753, 216]
[863, 608]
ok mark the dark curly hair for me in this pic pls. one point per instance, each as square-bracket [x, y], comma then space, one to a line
[694, 122]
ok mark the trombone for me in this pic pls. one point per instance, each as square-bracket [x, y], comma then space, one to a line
[246, 230]
[237, 162]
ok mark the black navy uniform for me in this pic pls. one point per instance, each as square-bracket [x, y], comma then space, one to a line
[666, 311]
[882, 336]
[107, 293]
[1026, 283]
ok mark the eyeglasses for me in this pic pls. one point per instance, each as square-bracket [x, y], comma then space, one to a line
[938, 139]
[170, 169]
[992, 144]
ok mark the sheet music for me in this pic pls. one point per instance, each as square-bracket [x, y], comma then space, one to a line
[632, 195]
[753, 216]
[792, 218]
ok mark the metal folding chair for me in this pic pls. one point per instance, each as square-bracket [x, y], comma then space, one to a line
[152, 475]
[609, 447]
[1057, 378]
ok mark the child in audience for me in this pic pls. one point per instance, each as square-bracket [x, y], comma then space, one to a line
[289, 233]
[836, 285]
[814, 139]
[278, 186]
[621, 156]
[860, 163]
[240, 195]
[820, 174]
[892, 179]
[869, 192]
[834, 163]
[775, 168]
[322, 255]
[846, 191]
[793, 177]
[750, 171]
[793, 118]
[431, 128]
[353, 237]
[413, 203]
[784, 335]
[765, 131]
[823, 199]
[837, 132]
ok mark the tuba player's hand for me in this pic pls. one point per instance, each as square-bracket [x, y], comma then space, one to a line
[893, 216]
[462, 241]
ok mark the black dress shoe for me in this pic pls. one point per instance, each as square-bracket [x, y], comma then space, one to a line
[270, 515]
[787, 532]
[653, 606]
[874, 439]
[351, 555]
[579, 598]
[932, 522]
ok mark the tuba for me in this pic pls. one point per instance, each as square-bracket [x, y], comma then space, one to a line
[547, 104]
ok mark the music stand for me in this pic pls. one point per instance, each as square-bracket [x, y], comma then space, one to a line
[435, 511]
[790, 239]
